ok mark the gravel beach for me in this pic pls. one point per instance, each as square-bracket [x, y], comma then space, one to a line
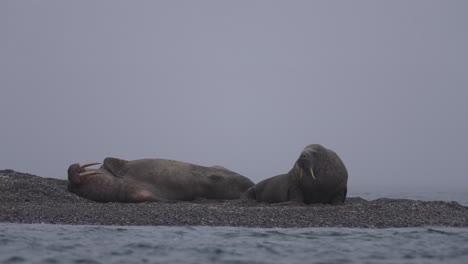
[26, 198]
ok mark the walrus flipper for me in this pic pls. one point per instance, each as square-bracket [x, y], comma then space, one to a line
[115, 166]
[295, 193]
[340, 197]
[250, 194]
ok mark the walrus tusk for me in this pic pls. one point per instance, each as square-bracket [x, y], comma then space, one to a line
[89, 164]
[312, 173]
[87, 173]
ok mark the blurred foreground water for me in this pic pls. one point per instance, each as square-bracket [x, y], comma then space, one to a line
[38, 243]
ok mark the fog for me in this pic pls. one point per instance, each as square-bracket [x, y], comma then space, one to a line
[242, 84]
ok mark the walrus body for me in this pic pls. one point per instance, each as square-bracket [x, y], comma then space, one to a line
[145, 180]
[318, 176]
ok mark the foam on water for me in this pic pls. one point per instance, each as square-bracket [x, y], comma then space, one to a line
[107, 244]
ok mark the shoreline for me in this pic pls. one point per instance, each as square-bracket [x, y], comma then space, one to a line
[26, 198]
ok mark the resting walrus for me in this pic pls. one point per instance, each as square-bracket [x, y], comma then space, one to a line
[318, 176]
[145, 180]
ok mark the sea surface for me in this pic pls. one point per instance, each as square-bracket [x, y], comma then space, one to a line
[43, 243]
[428, 193]
[40, 243]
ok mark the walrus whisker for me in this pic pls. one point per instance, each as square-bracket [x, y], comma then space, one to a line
[312, 173]
[87, 173]
[89, 164]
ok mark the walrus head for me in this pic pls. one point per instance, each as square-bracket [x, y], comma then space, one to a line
[76, 172]
[306, 163]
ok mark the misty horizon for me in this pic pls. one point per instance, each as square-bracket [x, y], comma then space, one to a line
[241, 84]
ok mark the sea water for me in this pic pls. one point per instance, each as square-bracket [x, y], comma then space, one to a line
[428, 193]
[41, 243]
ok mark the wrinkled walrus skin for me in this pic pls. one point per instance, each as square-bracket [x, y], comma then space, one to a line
[152, 180]
[318, 176]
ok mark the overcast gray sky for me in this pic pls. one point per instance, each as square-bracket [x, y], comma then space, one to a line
[243, 84]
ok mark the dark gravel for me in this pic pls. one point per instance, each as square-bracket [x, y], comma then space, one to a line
[26, 198]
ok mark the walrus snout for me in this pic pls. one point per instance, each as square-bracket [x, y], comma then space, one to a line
[89, 164]
[305, 166]
[80, 170]
[306, 163]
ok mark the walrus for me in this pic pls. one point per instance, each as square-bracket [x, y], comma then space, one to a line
[318, 176]
[153, 180]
